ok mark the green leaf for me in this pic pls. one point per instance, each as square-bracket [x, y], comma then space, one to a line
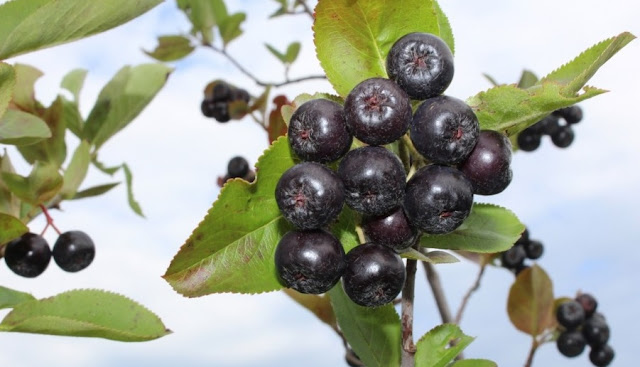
[474, 363]
[276, 53]
[122, 99]
[77, 170]
[527, 79]
[433, 348]
[491, 79]
[374, 333]
[88, 313]
[7, 83]
[489, 228]
[445, 27]
[319, 305]
[103, 167]
[73, 82]
[42, 184]
[23, 21]
[171, 48]
[135, 206]
[204, 15]
[362, 33]
[230, 27]
[10, 228]
[24, 92]
[530, 305]
[433, 257]
[9, 203]
[292, 52]
[94, 191]
[53, 149]
[10, 298]
[22, 128]
[575, 74]
[71, 116]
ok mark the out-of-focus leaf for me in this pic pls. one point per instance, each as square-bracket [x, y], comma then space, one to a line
[24, 93]
[527, 79]
[10, 228]
[94, 191]
[77, 170]
[530, 305]
[22, 128]
[73, 82]
[171, 48]
[230, 27]
[42, 184]
[53, 149]
[7, 83]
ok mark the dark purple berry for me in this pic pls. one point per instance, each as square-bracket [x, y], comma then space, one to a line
[317, 131]
[207, 107]
[309, 195]
[563, 137]
[528, 140]
[73, 251]
[239, 94]
[572, 114]
[488, 167]
[377, 111]
[601, 356]
[220, 112]
[524, 237]
[571, 343]
[221, 92]
[374, 275]
[309, 261]
[422, 64]
[438, 199]
[570, 314]
[237, 167]
[588, 302]
[392, 230]
[28, 255]
[534, 249]
[513, 257]
[374, 180]
[547, 126]
[596, 331]
[444, 130]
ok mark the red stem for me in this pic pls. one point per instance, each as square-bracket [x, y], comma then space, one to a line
[49, 220]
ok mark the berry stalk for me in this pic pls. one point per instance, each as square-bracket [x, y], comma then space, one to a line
[408, 292]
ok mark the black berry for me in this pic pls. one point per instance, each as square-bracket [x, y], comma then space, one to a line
[547, 126]
[572, 114]
[588, 302]
[207, 107]
[524, 236]
[570, 314]
[563, 137]
[596, 331]
[392, 230]
[220, 111]
[513, 257]
[309, 195]
[374, 275]
[422, 64]
[377, 111]
[534, 249]
[438, 199]
[237, 167]
[221, 92]
[374, 180]
[488, 166]
[571, 343]
[28, 255]
[601, 356]
[309, 261]
[528, 140]
[317, 131]
[444, 130]
[73, 251]
[239, 94]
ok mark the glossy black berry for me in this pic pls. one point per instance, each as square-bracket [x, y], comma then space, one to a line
[438, 199]
[571, 343]
[524, 236]
[588, 302]
[309, 261]
[547, 126]
[513, 257]
[73, 251]
[596, 331]
[374, 180]
[208, 108]
[309, 195]
[488, 167]
[422, 64]
[221, 92]
[444, 130]
[28, 255]
[570, 314]
[534, 249]
[601, 356]
[528, 140]
[377, 111]
[374, 275]
[572, 114]
[317, 131]
[563, 137]
[220, 111]
[392, 230]
[237, 167]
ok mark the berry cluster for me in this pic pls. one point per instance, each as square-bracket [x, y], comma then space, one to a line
[525, 248]
[217, 99]
[29, 254]
[581, 325]
[238, 167]
[561, 134]
[372, 180]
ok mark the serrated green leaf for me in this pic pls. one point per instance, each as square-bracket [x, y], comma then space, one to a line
[433, 348]
[292, 52]
[77, 170]
[133, 204]
[22, 30]
[446, 33]
[575, 74]
[94, 191]
[230, 27]
[10, 298]
[531, 304]
[474, 363]
[527, 79]
[374, 333]
[42, 184]
[73, 82]
[171, 48]
[489, 228]
[24, 91]
[279, 55]
[54, 148]
[22, 128]
[509, 109]
[88, 313]
[10, 228]
[122, 99]
[7, 84]
[362, 33]
[433, 257]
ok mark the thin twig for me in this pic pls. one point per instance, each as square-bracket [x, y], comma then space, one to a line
[438, 293]
[408, 348]
[532, 352]
[307, 9]
[467, 296]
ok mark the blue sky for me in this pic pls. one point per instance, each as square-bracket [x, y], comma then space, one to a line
[580, 202]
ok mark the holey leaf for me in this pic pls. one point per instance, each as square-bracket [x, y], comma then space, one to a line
[531, 304]
[489, 228]
[89, 313]
[362, 33]
[433, 348]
